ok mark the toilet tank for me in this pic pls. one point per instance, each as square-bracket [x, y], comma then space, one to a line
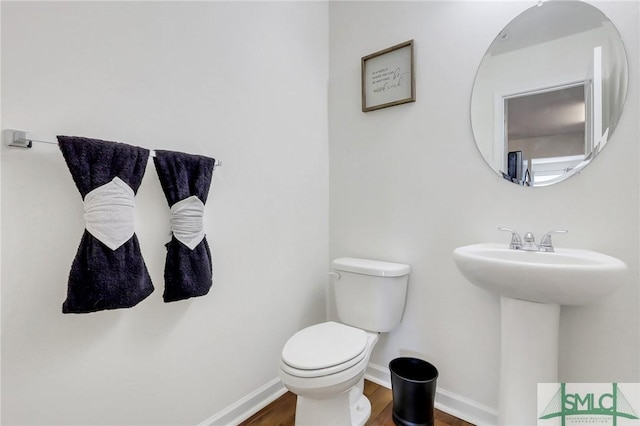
[370, 294]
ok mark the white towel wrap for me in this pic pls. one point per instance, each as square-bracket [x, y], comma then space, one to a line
[108, 213]
[187, 221]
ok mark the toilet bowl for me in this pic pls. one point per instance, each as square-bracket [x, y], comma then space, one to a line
[324, 364]
[329, 381]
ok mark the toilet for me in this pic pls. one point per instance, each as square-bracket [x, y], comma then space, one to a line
[324, 364]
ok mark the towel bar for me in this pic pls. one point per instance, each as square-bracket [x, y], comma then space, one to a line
[20, 139]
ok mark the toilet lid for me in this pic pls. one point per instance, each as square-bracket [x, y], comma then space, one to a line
[323, 345]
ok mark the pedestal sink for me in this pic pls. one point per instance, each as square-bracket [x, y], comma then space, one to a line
[532, 286]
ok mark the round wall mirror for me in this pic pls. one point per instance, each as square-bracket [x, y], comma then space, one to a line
[549, 92]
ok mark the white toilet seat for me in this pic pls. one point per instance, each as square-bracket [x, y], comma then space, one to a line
[324, 371]
[331, 395]
[324, 349]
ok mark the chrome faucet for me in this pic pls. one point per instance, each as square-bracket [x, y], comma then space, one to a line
[530, 242]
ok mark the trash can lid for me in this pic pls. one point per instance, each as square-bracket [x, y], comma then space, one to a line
[324, 345]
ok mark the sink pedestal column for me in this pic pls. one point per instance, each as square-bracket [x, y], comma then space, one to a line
[528, 356]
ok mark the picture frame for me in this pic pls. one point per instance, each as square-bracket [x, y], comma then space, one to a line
[388, 77]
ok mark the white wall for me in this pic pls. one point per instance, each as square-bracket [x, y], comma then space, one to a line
[409, 185]
[242, 82]
[247, 83]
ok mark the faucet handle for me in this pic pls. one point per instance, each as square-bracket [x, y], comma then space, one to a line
[545, 243]
[516, 241]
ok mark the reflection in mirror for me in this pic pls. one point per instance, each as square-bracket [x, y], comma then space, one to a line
[545, 133]
[549, 92]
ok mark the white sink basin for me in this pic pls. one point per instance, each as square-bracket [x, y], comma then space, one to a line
[565, 277]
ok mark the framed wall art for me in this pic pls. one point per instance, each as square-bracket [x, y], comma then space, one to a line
[388, 78]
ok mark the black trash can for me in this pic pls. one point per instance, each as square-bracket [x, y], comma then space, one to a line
[413, 385]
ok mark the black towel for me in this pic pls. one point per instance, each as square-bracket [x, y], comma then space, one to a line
[101, 277]
[188, 271]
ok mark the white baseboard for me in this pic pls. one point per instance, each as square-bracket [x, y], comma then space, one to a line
[247, 406]
[449, 402]
[378, 374]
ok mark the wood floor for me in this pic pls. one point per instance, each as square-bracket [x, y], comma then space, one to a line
[281, 412]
